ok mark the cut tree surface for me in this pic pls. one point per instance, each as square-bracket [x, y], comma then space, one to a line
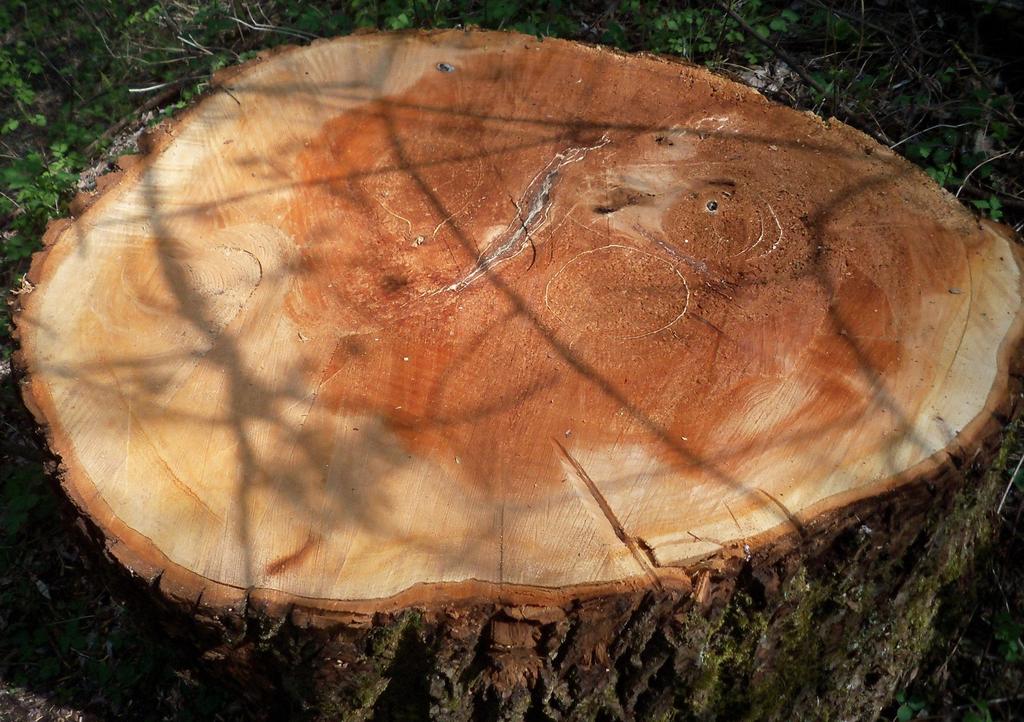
[398, 319]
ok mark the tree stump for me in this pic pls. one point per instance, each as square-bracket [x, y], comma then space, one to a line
[478, 376]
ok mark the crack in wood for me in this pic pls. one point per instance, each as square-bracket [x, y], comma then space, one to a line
[648, 550]
[734, 519]
[537, 201]
[644, 557]
[785, 510]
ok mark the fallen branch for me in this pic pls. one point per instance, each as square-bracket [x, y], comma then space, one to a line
[164, 96]
[782, 54]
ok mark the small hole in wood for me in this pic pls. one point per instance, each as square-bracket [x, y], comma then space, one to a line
[446, 68]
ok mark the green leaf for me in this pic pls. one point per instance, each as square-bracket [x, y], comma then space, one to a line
[980, 713]
[615, 34]
[399, 22]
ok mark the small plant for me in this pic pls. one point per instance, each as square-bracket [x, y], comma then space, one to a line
[1009, 633]
[979, 713]
[991, 206]
[909, 707]
[38, 185]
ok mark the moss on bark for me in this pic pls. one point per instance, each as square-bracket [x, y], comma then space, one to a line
[828, 629]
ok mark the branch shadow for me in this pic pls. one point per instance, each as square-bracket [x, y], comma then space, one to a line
[276, 457]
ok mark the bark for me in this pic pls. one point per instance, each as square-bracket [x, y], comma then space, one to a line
[829, 629]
